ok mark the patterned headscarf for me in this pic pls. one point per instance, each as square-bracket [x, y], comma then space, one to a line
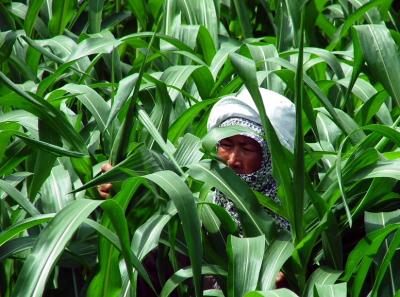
[260, 180]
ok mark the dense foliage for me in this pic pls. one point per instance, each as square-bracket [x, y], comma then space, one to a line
[131, 82]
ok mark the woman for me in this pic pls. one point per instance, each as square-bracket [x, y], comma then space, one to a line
[247, 153]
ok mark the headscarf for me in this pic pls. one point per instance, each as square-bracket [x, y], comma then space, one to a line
[241, 111]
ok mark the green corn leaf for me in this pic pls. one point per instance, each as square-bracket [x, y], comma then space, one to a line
[185, 273]
[184, 202]
[178, 128]
[245, 258]
[272, 293]
[339, 290]
[23, 225]
[49, 246]
[16, 245]
[381, 54]
[138, 7]
[255, 220]
[146, 238]
[386, 265]
[19, 198]
[95, 15]
[92, 101]
[188, 151]
[55, 191]
[243, 18]
[354, 17]
[322, 276]
[32, 15]
[62, 14]
[44, 110]
[95, 45]
[275, 256]
[384, 259]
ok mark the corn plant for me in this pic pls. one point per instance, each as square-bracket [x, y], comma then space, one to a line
[131, 82]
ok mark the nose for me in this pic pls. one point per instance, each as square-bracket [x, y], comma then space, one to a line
[234, 160]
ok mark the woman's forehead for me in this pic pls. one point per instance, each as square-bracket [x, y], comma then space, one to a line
[242, 140]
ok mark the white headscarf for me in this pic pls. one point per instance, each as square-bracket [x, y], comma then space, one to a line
[279, 109]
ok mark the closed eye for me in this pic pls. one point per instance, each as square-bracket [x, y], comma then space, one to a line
[226, 144]
[249, 149]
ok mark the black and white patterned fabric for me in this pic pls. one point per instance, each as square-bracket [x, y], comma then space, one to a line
[260, 180]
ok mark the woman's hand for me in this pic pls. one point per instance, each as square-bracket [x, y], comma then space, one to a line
[281, 281]
[105, 189]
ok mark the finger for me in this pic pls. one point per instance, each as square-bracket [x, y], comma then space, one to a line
[104, 195]
[104, 190]
[105, 187]
[106, 167]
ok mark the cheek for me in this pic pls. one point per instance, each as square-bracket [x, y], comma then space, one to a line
[222, 154]
[253, 163]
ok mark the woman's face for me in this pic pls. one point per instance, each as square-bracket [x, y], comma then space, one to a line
[243, 154]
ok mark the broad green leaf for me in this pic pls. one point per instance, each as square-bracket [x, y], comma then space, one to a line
[16, 245]
[178, 128]
[49, 246]
[32, 15]
[94, 45]
[260, 55]
[360, 259]
[381, 55]
[23, 225]
[243, 18]
[185, 273]
[318, 92]
[7, 40]
[120, 145]
[378, 188]
[337, 290]
[19, 198]
[146, 239]
[207, 42]
[160, 114]
[106, 282]
[184, 202]
[221, 57]
[124, 91]
[95, 15]
[92, 101]
[353, 18]
[62, 13]
[321, 276]
[272, 293]
[43, 160]
[138, 7]
[245, 258]
[386, 265]
[367, 93]
[55, 192]
[381, 169]
[376, 221]
[188, 151]
[44, 110]
[146, 121]
[276, 255]
[177, 76]
[255, 220]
